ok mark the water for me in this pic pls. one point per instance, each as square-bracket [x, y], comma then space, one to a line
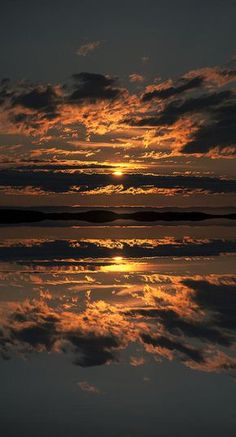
[129, 330]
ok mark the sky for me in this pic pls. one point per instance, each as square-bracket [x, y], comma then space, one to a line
[124, 328]
[118, 103]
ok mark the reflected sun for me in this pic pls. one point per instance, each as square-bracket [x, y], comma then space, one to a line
[118, 258]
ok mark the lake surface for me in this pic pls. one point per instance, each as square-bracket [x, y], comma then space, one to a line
[129, 330]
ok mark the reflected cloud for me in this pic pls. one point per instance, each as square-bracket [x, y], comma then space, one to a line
[112, 250]
[89, 388]
[94, 318]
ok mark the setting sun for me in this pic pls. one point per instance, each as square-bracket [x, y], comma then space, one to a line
[118, 173]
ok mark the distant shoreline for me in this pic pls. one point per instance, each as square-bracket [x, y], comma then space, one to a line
[16, 216]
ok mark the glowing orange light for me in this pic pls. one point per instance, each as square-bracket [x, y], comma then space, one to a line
[118, 258]
[118, 173]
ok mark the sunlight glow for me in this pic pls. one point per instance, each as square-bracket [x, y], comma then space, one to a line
[118, 173]
[118, 258]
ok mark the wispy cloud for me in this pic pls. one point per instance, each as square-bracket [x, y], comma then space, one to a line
[88, 47]
[136, 77]
[145, 59]
[87, 387]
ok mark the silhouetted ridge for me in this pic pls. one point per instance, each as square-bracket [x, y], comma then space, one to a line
[168, 216]
[11, 216]
[98, 216]
[20, 216]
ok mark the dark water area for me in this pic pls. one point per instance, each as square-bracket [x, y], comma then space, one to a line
[129, 330]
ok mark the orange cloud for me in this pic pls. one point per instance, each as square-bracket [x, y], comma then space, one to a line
[175, 117]
[135, 77]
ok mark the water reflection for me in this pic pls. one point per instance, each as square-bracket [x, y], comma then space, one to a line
[94, 300]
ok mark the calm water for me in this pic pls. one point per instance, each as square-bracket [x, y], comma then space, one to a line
[129, 331]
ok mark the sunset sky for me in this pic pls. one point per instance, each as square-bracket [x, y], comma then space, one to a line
[117, 218]
[112, 104]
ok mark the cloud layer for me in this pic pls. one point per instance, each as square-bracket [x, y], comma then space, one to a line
[93, 299]
[201, 100]
[168, 137]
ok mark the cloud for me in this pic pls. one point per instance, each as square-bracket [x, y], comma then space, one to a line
[88, 388]
[88, 47]
[190, 319]
[219, 133]
[29, 109]
[164, 93]
[35, 326]
[161, 342]
[214, 76]
[41, 98]
[59, 250]
[192, 81]
[135, 77]
[190, 115]
[94, 350]
[102, 183]
[177, 325]
[136, 361]
[92, 87]
[175, 110]
[31, 250]
[220, 298]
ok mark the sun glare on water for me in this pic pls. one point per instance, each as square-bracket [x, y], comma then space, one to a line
[117, 258]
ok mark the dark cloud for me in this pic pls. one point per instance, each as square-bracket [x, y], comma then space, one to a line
[184, 85]
[42, 99]
[63, 249]
[34, 328]
[60, 182]
[220, 132]
[217, 129]
[93, 350]
[177, 109]
[5, 92]
[92, 87]
[36, 335]
[44, 165]
[41, 103]
[205, 330]
[196, 80]
[39, 330]
[220, 299]
[187, 352]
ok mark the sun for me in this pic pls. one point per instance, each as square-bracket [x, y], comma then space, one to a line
[118, 173]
